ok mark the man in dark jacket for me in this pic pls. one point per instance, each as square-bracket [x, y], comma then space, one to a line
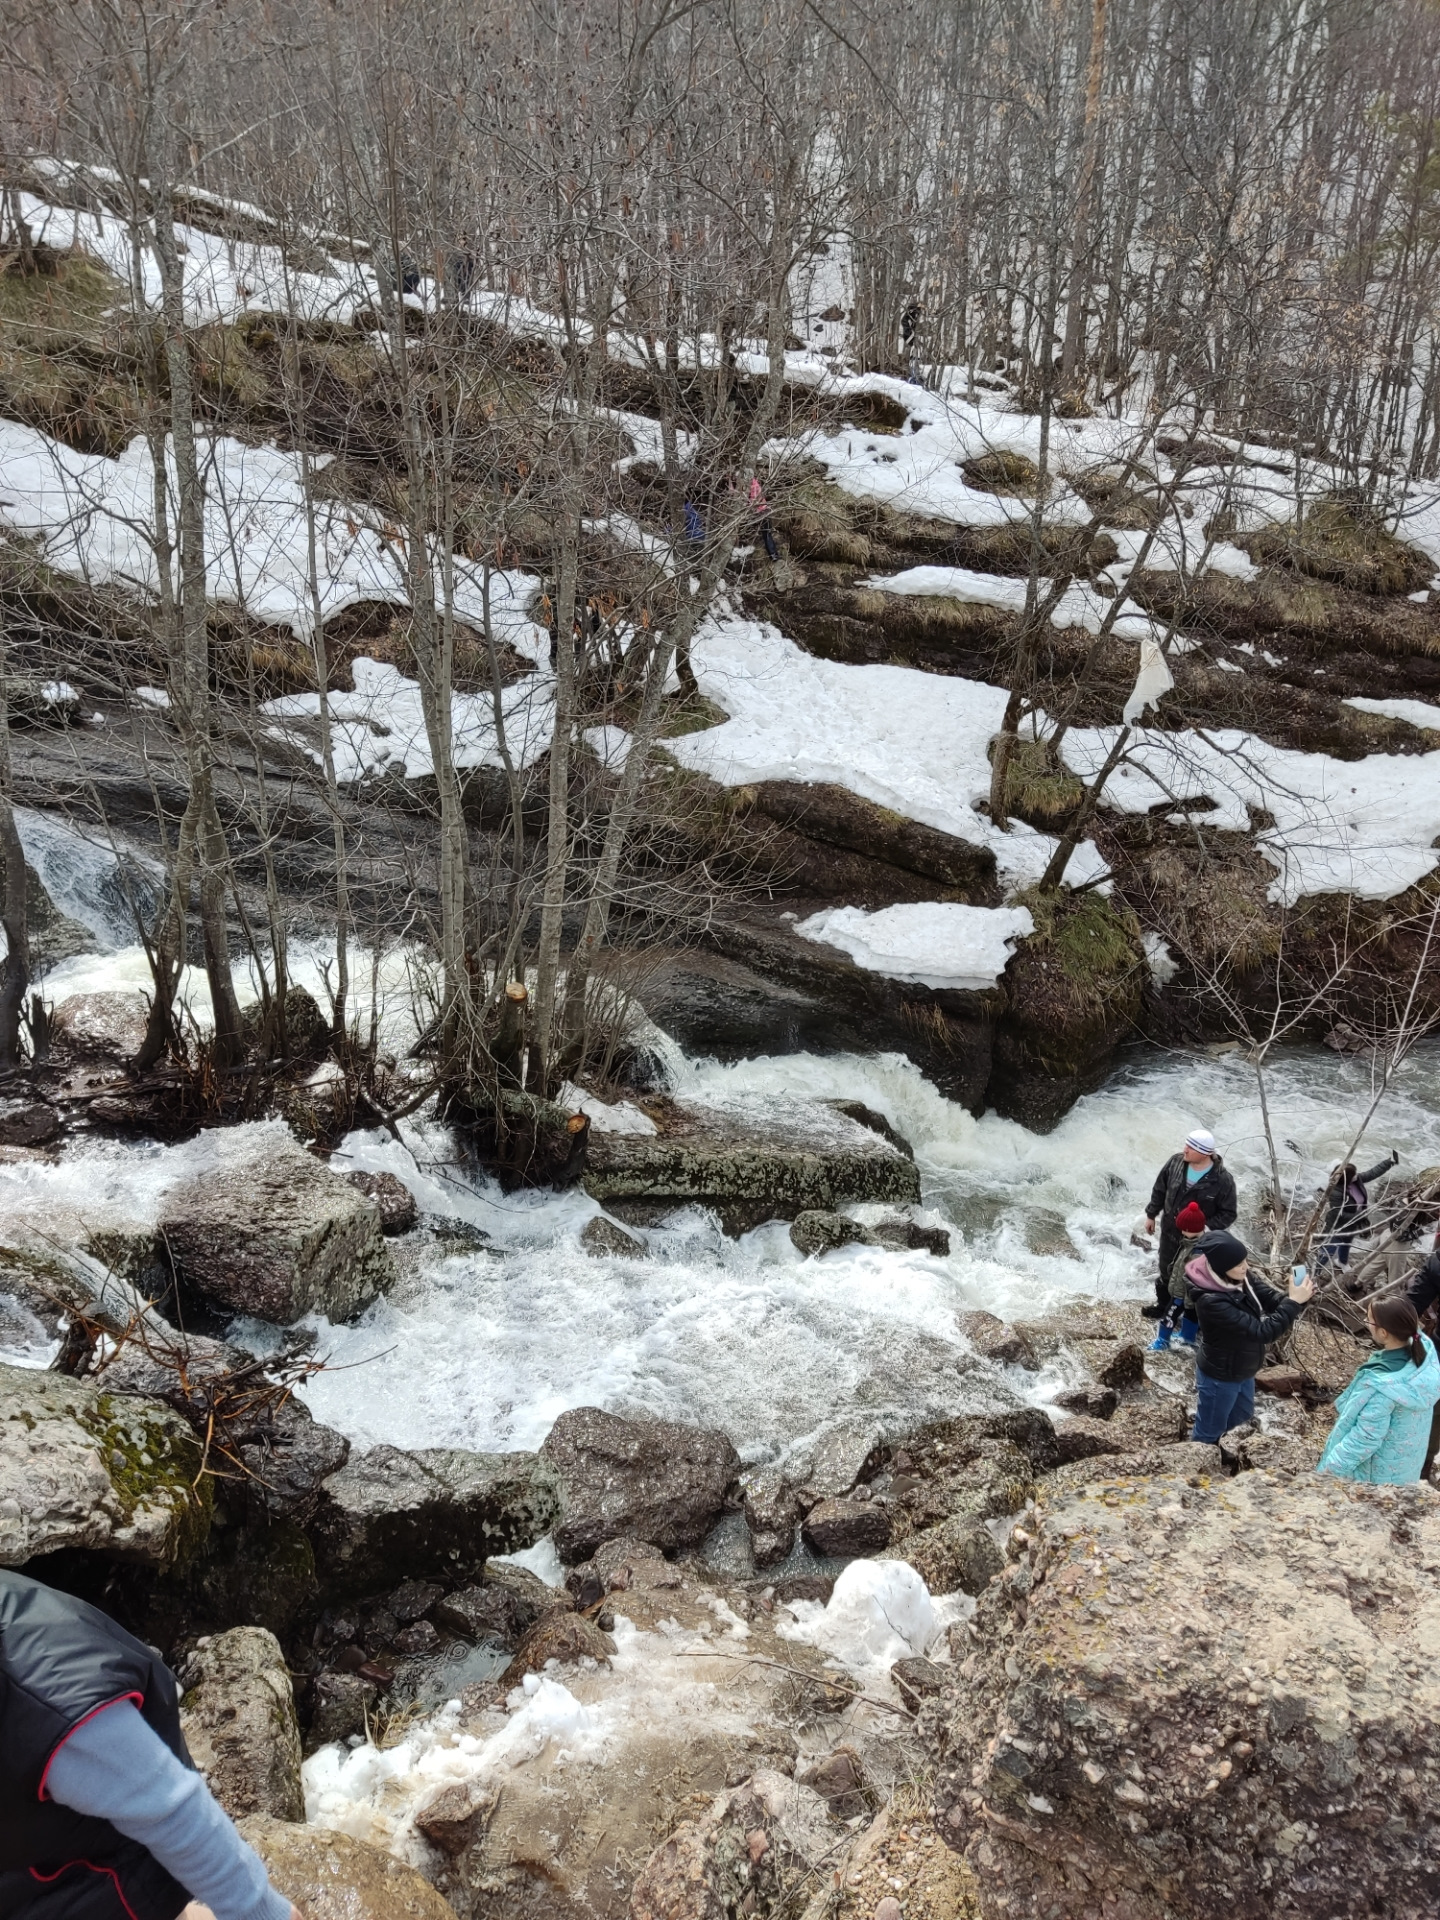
[1195, 1173]
[1239, 1317]
[102, 1813]
[1423, 1293]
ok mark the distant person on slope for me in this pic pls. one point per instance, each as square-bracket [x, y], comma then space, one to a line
[1180, 1318]
[1347, 1207]
[1195, 1173]
[1239, 1316]
[102, 1814]
[1382, 1419]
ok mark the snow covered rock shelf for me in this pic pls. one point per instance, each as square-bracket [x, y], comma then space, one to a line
[748, 1159]
[934, 943]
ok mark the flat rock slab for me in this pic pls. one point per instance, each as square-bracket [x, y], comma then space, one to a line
[271, 1232]
[748, 1160]
[80, 1467]
[650, 1479]
[438, 1512]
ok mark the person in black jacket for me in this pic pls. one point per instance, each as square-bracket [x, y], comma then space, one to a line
[1239, 1317]
[1423, 1293]
[1347, 1207]
[102, 1813]
[1195, 1173]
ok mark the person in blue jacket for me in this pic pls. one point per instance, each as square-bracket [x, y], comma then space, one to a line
[1382, 1419]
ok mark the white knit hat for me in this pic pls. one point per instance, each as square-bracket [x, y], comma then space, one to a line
[1201, 1141]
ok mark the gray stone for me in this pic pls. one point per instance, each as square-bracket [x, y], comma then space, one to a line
[455, 1817]
[341, 1703]
[531, 1597]
[747, 1160]
[483, 1613]
[433, 1514]
[1083, 1438]
[238, 1716]
[841, 1529]
[82, 1467]
[398, 1210]
[814, 1232]
[958, 1556]
[606, 1241]
[772, 1514]
[650, 1478]
[28, 1123]
[843, 1454]
[106, 1025]
[1098, 1402]
[905, 1236]
[329, 1876]
[917, 1680]
[272, 1232]
[993, 1340]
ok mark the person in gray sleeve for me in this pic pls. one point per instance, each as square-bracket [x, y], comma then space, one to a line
[102, 1814]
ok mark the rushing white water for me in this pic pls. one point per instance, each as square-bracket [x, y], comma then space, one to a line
[484, 1348]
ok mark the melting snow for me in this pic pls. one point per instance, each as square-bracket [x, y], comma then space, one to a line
[935, 944]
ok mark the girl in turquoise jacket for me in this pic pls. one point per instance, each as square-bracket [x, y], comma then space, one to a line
[1382, 1419]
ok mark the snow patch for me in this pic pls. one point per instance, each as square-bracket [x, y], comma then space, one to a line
[881, 1611]
[935, 944]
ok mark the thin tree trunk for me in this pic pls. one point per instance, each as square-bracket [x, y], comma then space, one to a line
[15, 968]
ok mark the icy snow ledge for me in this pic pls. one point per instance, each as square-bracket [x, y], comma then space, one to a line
[881, 1611]
[934, 944]
[1420, 713]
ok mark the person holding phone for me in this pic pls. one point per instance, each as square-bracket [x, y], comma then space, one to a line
[1239, 1317]
[1382, 1419]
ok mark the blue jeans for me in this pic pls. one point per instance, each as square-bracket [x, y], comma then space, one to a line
[1220, 1405]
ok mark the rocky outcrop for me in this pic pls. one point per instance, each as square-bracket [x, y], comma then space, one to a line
[1193, 1697]
[106, 1025]
[604, 1240]
[439, 1511]
[651, 1479]
[81, 1467]
[272, 1232]
[329, 1876]
[993, 1340]
[749, 1161]
[739, 1858]
[842, 1529]
[238, 1716]
[814, 1232]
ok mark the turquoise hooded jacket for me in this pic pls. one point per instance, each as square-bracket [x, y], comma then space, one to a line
[1382, 1420]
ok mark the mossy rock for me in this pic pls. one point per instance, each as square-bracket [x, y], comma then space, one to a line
[1073, 993]
[1003, 473]
[80, 1467]
[1039, 790]
[1344, 540]
[1117, 503]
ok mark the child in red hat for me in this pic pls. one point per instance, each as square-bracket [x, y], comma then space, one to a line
[1181, 1318]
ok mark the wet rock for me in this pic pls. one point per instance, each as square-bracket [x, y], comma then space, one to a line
[1046, 1234]
[721, 1864]
[607, 1241]
[238, 1717]
[917, 1681]
[1142, 1727]
[564, 1637]
[438, 1512]
[307, 1031]
[1247, 1449]
[905, 1236]
[848, 1451]
[339, 1706]
[419, 1638]
[1097, 1403]
[624, 1563]
[867, 1117]
[958, 1556]
[329, 1876]
[108, 1025]
[993, 1340]
[1083, 1438]
[772, 1514]
[532, 1598]
[771, 1159]
[1123, 1367]
[272, 1232]
[81, 1467]
[1195, 1463]
[814, 1232]
[398, 1209]
[481, 1613]
[649, 1478]
[455, 1817]
[28, 1123]
[413, 1599]
[1154, 1420]
[841, 1529]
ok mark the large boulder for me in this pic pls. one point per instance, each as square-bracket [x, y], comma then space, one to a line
[438, 1512]
[329, 1876]
[238, 1717]
[659, 1482]
[747, 1160]
[1196, 1697]
[272, 1232]
[107, 1025]
[82, 1467]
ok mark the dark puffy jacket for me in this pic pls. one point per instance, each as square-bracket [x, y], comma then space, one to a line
[60, 1662]
[1236, 1324]
[1213, 1193]
[1347, 1202]
[1424, 1290]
